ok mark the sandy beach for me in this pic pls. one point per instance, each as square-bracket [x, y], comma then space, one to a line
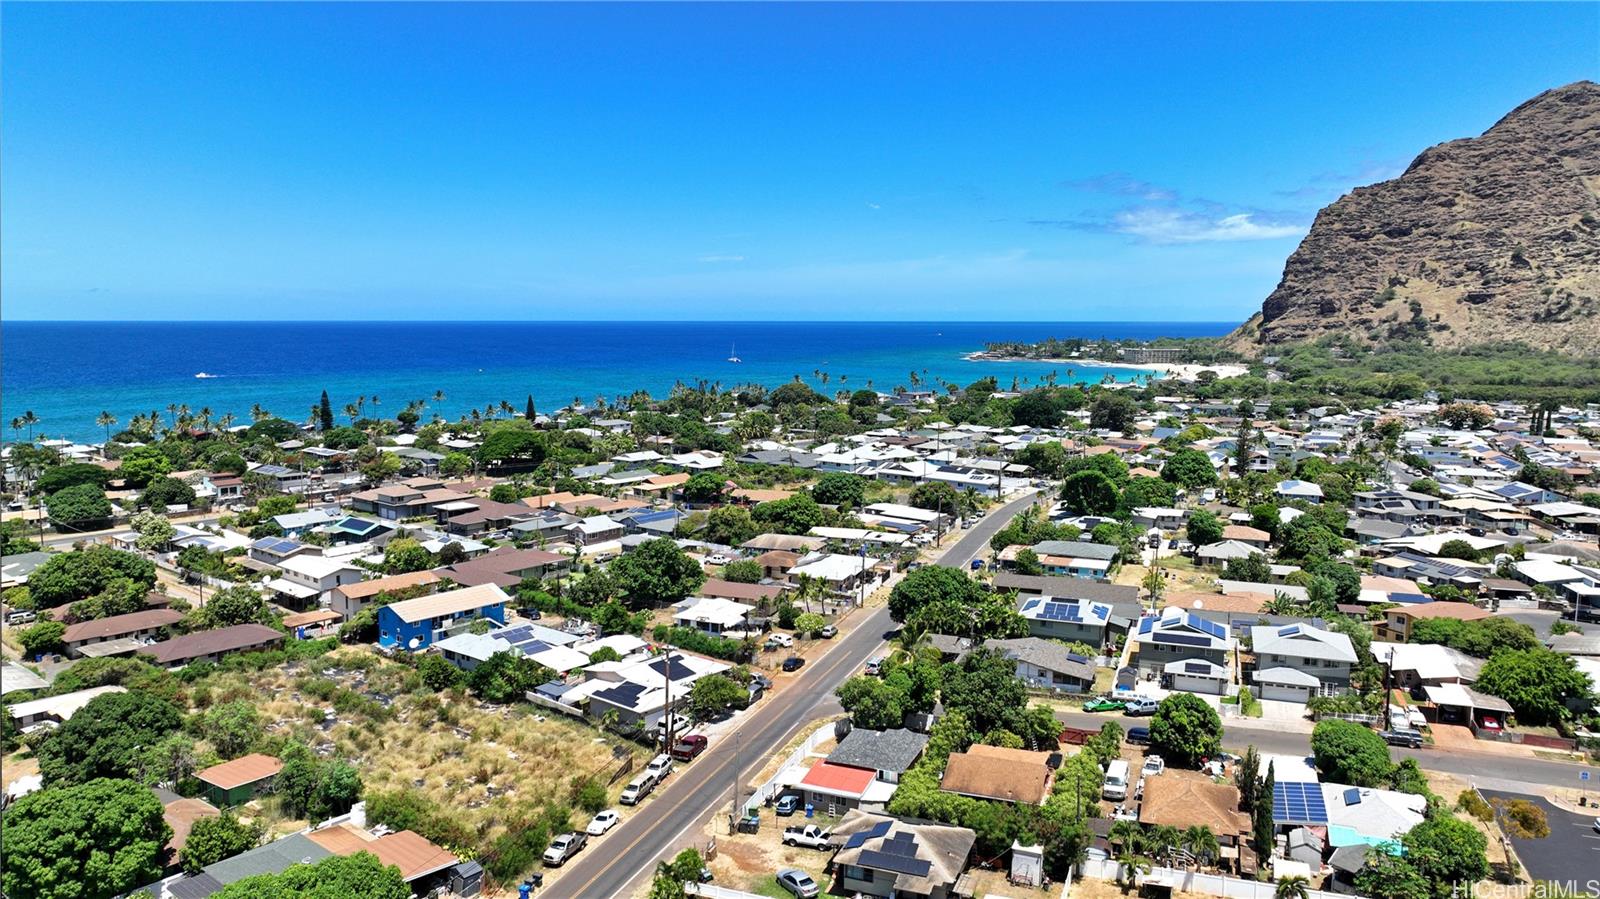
[1184, 371]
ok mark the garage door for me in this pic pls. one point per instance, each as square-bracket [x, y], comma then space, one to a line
[1190, 684]
[1284, 692]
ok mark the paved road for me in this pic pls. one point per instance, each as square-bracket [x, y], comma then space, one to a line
[1569, 856]
[1482, 767]
[611, 865]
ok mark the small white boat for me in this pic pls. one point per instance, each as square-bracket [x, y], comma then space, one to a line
[733, 353]
[206, 375]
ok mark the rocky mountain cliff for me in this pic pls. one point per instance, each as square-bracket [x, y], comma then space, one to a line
[1482, 239]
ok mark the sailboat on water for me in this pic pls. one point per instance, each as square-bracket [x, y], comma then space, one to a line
[733, 353]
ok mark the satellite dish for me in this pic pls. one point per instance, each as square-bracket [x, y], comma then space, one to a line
[414, 643]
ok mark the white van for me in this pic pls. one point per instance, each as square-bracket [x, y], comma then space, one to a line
[1116, 782]
[638, 788]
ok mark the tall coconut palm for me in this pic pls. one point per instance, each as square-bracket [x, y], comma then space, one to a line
[205, 417]
[226, 421]
[17, 424]
[259, 412]
[29, 419]
[353, 412]
[172, 413]
[106, 420]
[1126, 836]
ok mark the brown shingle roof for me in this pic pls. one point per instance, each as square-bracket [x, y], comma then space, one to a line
[204, 643]
[118, 625]
[995, 772]
[735, 590]
[246, 769]
[1180, 801]
[369, 589]
[181, 815]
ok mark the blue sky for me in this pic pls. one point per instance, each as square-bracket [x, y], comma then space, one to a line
[500, 161]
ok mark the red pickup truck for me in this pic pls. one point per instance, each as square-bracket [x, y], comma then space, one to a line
[688, 747]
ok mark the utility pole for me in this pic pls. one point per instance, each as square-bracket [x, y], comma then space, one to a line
[733, 804]
[666, 671]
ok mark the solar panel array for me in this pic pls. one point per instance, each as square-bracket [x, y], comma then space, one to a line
[1209, 627]
[1061, 611]
[1298, 803]
[1292, 630]
[1185, 639]
[522, 639]
[900, 864]
[872, 833]
[1196, 668]
[276, 545]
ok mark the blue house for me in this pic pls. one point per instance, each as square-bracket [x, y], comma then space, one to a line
[415, 624]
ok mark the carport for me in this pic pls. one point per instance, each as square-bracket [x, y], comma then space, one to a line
[1286, 685]
[1460, 704]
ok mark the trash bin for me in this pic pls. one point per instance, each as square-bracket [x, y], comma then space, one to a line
[810, 810]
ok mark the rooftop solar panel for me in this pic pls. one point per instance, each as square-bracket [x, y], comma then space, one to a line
[871, 858]
[901, 844]
[1184, 639]
[872, 833]
[1290, 631]
[1298, 803]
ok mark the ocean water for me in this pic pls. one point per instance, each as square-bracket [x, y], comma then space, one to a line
[66, 373]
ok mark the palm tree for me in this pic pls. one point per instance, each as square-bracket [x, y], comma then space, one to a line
[226, 421]
[1295, 886]
[353, 411]
[259, 413]
[1154, 583]
[1131, 863]
[1201, 843]
[17, 425]
[172, 412]
[1161, 840]
[205, 417]
[1126, 836]
[106, 420]
[29, 419]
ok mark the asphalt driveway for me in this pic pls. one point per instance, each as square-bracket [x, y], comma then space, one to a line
[1569, 856]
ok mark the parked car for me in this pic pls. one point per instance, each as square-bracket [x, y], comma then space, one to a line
[874, 667]
[809, 835]
[799, 883]
[780, 640]
[761, 680]
[1153, 765]
[1140, 705]
[1490, 722]
[1411, 739]
[689, 747]
[660, 766]
[637, 789]
[564, 847]
[828, 632]
[793, 663]
[786, 805]
[1104, 704]
[602, 822]
[1139, 735]
[680, 724]
[21, 617]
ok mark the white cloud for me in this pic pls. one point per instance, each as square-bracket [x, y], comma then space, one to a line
[874, 206]
[721, 257]
[1169, 225]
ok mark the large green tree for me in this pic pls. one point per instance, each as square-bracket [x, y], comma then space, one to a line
[213, 839]
[840, 488]
[1349, 753]
[102, 738]
[657, 572]
[68, 577]
[92, 840]
[1204, 528]
[985, 688]
[359, 876]
[142, 464]
[1537, 682]
[1185, 730]
[80, 508]
[929, 585]
[1189, 468]
[1089, 493]
[1112, 411]
[1447, 852]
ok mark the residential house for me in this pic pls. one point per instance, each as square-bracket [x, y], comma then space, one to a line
[886, 753]
[1047, 664]
[306, 578]
[212, 645]
[1184, 802]
[545, 645]
[1179, 636]
[506, 567]
[1000, 773]
[56, 709]
[348, 599]
[127, 632]
[636, 694]
[1296, 662]
[594, 530]
[760, 595]
[1397, 622]
[237, 782]
[1296, 489]
[411, 498]
[1221, 553]
[713, 615]
[423, 866]
[1414, 566]
[831, 788]
[415, 624]
[842, 574]
[1414, 665]
[1076, 558]
[1249, 536]
[885, 857]
[1067, 588]
[1077, 620]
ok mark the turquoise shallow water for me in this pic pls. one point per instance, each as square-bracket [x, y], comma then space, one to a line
[67, 372]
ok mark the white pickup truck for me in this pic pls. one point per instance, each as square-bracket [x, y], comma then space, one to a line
[810, 836]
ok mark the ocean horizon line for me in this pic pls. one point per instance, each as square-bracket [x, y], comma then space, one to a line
[608, 321]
